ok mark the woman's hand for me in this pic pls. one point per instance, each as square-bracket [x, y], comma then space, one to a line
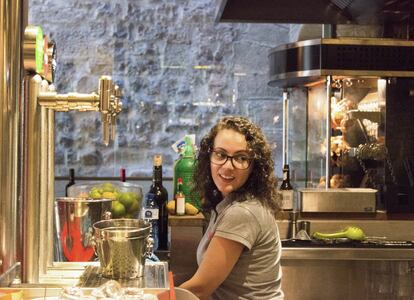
[218, 261]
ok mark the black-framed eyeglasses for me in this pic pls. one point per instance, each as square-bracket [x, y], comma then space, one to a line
[239, 161]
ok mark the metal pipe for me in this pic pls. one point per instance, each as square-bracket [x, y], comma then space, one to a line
[49, 242]
[11, 22]
[32, 183]
[328, 31]
[70, 101]
[328, 131]
[285, 129]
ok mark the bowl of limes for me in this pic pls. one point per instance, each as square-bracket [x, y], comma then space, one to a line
[126, 197]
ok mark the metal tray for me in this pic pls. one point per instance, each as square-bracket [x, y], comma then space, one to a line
[361, 200]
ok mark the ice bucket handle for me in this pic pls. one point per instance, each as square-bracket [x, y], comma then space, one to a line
[107, 215]
[92, 242]
[149, 246]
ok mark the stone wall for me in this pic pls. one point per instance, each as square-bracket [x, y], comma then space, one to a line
[179, 71]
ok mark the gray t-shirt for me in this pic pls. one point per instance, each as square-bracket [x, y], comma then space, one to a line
[257, 274]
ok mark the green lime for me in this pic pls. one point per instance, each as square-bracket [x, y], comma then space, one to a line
[135, 195]
[95, 194]
[127, 199]
[117, 209]
[108, 187]
[108, 195]
[134, 207]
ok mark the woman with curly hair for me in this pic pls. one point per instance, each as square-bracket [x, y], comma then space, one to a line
[239, 255]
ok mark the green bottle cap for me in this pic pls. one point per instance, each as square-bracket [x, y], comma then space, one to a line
[40, 55]
[188, 148]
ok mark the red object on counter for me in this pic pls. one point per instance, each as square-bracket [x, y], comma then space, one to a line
[170, 294]
[171, 281]
[72, 234]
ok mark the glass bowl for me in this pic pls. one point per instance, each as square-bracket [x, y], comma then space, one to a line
[126, 197]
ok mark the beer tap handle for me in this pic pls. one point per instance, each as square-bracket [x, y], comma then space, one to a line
[108, 102]
[112, 117]
[105, 129]
[105, 93]
[113, 127]
[116, 107]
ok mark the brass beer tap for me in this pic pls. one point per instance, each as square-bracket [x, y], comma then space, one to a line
[108, 102]
[38, 145]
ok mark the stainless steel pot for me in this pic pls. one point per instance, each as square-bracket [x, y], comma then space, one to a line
[122, 246]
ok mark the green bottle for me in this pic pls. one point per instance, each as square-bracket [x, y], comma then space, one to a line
[184, 168]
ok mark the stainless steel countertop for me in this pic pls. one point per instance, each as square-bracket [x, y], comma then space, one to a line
[85, 276]
[389, 229]
[70, 274]
[291, 253]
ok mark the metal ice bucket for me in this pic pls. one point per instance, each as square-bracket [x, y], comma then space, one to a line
[122, 246]
[74, 220]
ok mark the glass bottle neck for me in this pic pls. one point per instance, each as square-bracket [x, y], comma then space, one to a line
[157, 175]
[286, 176]
[179, 188]
[71, 175]
[122, 175]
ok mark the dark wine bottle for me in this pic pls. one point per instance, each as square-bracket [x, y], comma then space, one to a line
[151, 213]
[286, 190]
[161, 198]
[71, 181]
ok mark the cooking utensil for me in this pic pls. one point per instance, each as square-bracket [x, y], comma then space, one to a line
[350, 232]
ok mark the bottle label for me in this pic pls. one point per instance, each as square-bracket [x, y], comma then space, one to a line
[150, 213]
[287, 199]
[180, 205]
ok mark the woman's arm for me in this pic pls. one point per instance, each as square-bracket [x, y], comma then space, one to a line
[218, 261]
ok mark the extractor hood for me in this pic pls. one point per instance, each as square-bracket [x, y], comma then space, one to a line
[305, 62]
[361, 12]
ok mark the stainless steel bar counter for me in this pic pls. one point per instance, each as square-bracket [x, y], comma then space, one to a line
[326, 253]
[86, 276]
[350, 271]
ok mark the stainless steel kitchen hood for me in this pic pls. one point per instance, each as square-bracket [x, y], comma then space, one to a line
[308, 61]
[360, 12]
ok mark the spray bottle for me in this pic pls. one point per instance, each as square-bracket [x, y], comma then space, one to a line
[184, 168]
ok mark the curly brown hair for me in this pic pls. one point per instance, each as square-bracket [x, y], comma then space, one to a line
[261, 183]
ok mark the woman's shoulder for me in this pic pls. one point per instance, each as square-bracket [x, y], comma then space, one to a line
[250, 202]
[251, 206]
